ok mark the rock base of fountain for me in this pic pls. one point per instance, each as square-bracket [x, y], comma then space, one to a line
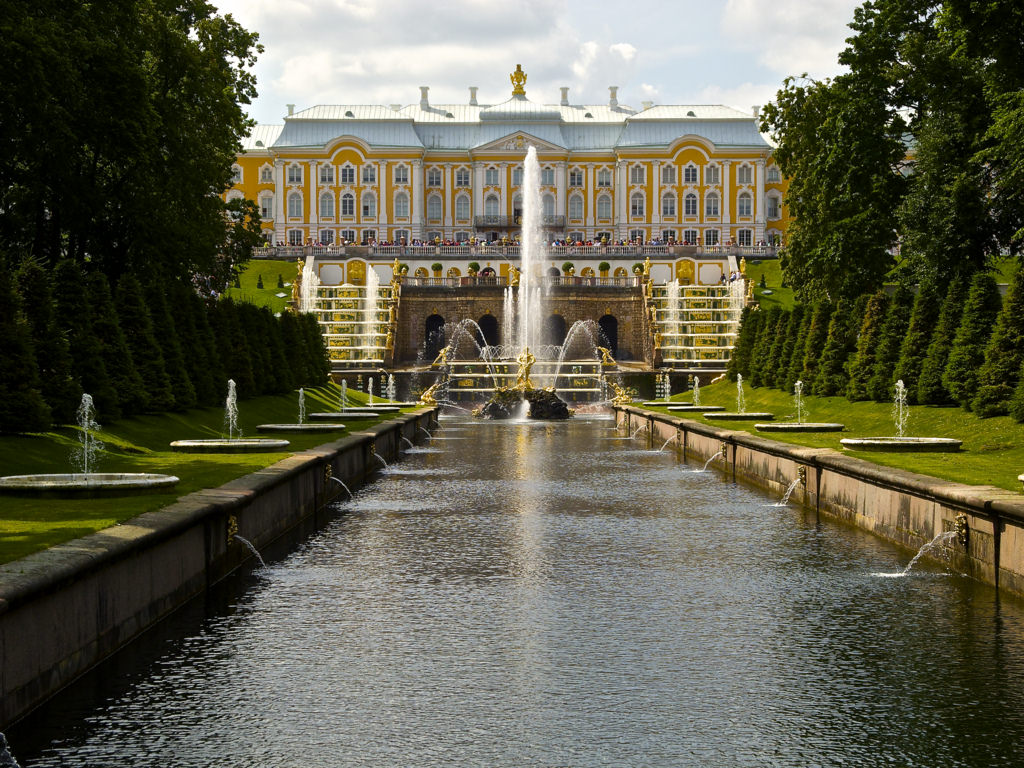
[903, 444]
[503, 405]
[86, 485]
[802, 426]
[736, 416]
[243, 445]
[301, 428]
[543, 405]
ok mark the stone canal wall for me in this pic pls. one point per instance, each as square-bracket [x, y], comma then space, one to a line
[65, 609]
[904, 507]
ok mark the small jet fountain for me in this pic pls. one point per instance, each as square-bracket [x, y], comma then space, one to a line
[800, 424]
[741, 413]
[302, 425]
[696, 406]
[901, 443]
[234, 443]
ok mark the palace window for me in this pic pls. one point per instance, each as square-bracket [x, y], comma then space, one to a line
[369, 174]
[326, 174]
[236, 174]
[462, 177]
[295, 237]
[402, 236]
[604, 178]
[402, 205]
[636, 205]
[267, 207]
[710, 237]
[348, 174]
[294, 206]
[576, 237]
[327, 236]
[668, 174]
[602, 237]
[637, 235]
[604, 207]
[462, 208]
[547, 177]
[743, 174]
[490, 206]
[348, 206]
[294, 174]
[434, 207]
[690, 204]
[576, 177]
[744, 205]
[668, 205]
[491, 177]
[691, 236]
[369, 205]
[327, 206]
[266, 175]
[745, 237]
[369, 236]
[711, 174]
[462, 237]
[517, 176]
[576, 207]
[433, 177]
[637, 174]
[772, 174]
[348, 235]
[690, 174]
[711, 204]
[668, 235]
[401, 174]
[548, 204]
[774, 209]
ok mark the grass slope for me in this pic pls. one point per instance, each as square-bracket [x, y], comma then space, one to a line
[266, 296]
[992, 452]
[141, 444]
[772, 272]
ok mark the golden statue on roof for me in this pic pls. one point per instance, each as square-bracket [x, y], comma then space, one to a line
[518, 81]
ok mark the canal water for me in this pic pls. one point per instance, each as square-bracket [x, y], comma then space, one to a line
[555, 595]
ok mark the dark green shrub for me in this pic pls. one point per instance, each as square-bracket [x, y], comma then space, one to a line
[832, 376]
[436, 267]
[817, 335]
[22, 407]
[473, 267]
[233, 347]
[604, 266]
[773, 362]
[1016, 407]
[638, 268]
[739, 362]
[930, 388]
[567, 267]
[259, 281]
[280, 281]
[781, 372]
[166, 331]
[897, 321]
[795, 365]
[763, 346]
[132, 396]
[1004, 355]
[968, 351]
[923, 318]
[147, 352]
[862, 363]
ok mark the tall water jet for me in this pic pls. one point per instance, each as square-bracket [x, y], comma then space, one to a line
[231, 412]
[741, 403]
[369, 320]
[391, 392]
[343, 398]
[531, 254]
[508, 316]
[696, 390]
[84, 457]
[369, 391]
[302, 406]
[900, 411]
[798, 398]
[234, 442]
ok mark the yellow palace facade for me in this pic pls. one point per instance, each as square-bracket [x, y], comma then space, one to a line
[696, 175]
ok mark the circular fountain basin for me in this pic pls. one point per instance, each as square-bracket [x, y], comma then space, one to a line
[242, 445]
[85, 485]
[372, 409]
[655, 403]
[300, 428]
[734, 416]
[903, 444]
[696, 408]
[348, 415]
[802, 426]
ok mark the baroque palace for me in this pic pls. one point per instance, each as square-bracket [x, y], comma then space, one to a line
[696, 175]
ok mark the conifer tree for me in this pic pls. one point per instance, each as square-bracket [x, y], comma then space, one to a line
[739, 362]
[795, 365]
[251, 319]
[773, 363]
[57, 383]
[319, 365]
[832, 376]
[817, 335]
[284, 377]
[763, 347]
[968, 352]
[1004, 354]
[789, 342]
[146, 349]
[930, 388]
[923, 317]
[202, 313]
[197, 347]
[166, 330]
[862, 363]
[22, 407]
[897, 321]
[132, 396]
[1016, 407]
[73, 315]
[233, 347]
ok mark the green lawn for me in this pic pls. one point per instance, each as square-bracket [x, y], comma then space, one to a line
[992, 452]
[777, 296]
[267, 295]
[141, 444]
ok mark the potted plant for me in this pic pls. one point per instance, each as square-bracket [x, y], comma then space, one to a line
[473, 267]
[604, 268]
[567, 268]
[638, 268]
[436, 268]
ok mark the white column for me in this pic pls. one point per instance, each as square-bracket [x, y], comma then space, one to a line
[503, 189]
[622, 201]
[280, 203]
[561, 170]
[478, 188]
[416, 191]
[726, 196]
[314, 201]
[447, 176]
[382, 199]
[656, 186]
[590, 197]
[759, 201]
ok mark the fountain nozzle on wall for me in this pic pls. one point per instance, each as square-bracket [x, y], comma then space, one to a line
[963, 532]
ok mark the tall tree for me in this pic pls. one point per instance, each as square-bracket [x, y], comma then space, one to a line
[1004, 355]
[133, 313]
[894, 330]
[862, 364]
[968, 351]
[22, 407]
[132, 397]
[923, 318]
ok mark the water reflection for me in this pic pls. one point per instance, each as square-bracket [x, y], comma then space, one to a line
[537, 595]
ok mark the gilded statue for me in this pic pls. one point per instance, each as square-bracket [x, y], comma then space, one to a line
[606, 356]
[647, 267]
[621, 396]
[389, 344]
[442, 358]
[396, 268]
[518, 79]
[427, 398]
[513, 276]
[526, 361]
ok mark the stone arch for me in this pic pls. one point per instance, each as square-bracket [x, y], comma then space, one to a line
[609, 326]
[554, 329]
[433, 336]
[490, 329]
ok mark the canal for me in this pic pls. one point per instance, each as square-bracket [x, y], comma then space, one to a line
[552, 594]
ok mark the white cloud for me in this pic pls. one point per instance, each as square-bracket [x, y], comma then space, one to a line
[581, 66]
[625, 50]
[742, 97]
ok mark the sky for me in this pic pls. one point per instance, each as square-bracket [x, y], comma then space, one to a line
[733, 52]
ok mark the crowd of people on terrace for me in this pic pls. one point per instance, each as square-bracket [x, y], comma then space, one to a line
[514, 241]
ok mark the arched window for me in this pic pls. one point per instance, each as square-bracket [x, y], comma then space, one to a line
[636, 204]
[491, 205]
[576, 207]
[236, 174]
[548, 203]
[772, 175]
[462, 208]
[462, 177]
[434, 207]
[774, 207]
[294, 206]
[294, 174]
[266, 175]
[489, 329]
[327, 206]
[711, 204]
[690, 204]
[267, 206]
[637, 174]
[517, 176]
[369, 205]
[609, 326]
[743, 174]
[547, 177]
[604, 207]
[433, 336]
[348, 206]
[668, 205]
[668, 174]
[491, 177]
[576, 177]
[348, 174]
[604, 178]
[401, 205]
[690, 174]
[744, 205]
